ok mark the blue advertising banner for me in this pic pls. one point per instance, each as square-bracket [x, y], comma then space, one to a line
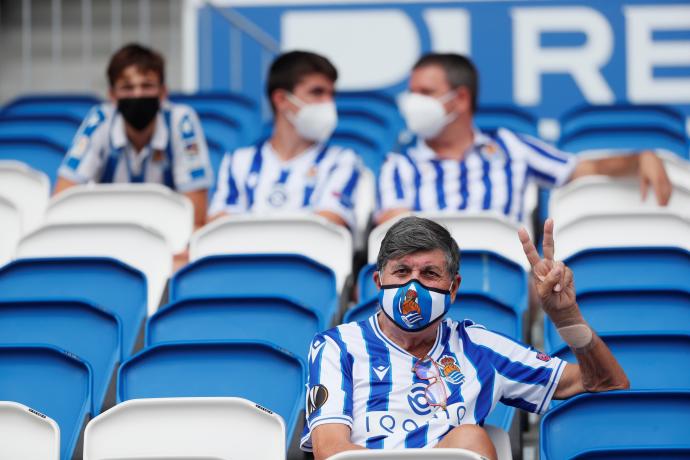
[545, 56]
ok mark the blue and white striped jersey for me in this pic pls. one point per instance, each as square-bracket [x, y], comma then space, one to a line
[493, 175]
[360, 378]
[177, 155]
[255, 179]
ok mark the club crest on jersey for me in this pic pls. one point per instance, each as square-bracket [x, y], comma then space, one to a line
[158, 156]
[409, 308]
[451, 370]
[543, 357]
[278, 196]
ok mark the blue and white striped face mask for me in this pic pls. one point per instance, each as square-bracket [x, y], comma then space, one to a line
[413, 306]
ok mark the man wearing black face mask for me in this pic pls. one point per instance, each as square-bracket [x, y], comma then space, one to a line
[139, 136]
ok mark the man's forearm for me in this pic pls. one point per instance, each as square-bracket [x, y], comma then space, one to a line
[622, 165]
[599, 368]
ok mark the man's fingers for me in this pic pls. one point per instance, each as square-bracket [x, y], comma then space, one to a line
[644, 186]
[552, 279]
[662, 190]
[548, 244]
[528, 247]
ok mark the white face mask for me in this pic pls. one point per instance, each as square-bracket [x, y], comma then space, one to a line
[425, 115]
[314, 122]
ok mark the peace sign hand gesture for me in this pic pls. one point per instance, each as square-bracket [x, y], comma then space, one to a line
[553, 280]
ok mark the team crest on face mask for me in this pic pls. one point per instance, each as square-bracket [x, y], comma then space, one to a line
[451, 370]
[409, 308]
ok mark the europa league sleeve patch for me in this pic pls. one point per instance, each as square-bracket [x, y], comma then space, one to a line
[318, 395]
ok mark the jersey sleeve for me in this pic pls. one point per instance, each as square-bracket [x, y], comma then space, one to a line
[329, 385]
[85, 158]
[229, 196]
[191, 165]
[547, 165]
[525, 378]
[337, 193]
[395, 185]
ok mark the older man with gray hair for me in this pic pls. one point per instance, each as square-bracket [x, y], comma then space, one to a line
[406, 377]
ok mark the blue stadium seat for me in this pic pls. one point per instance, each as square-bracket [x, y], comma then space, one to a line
[618, 425]
[373, 102]
[276, 320]
[490, 118]
[104, 282]
[89, 332]
[257, 371]
[226, 131]
[228, 105]
[52, 381]
[369, 124]
[626, 139]
[59, 129]
[483, 272]
[76, 105]
[632, 269]
[622, 115]
[42, 155]
[611, 312]
[290, 276]
[370, 150]
[651, 360]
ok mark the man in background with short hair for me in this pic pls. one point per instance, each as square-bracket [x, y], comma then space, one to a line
[139, 136]
[297, 168]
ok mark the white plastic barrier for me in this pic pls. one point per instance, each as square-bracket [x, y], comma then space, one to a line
[26, 434]
[593, 195]
[306, 234]
[140, 247]
[635, 229]
[28, 189]
[10, 230]
[150, 205]
[476, 231]
[198, 428]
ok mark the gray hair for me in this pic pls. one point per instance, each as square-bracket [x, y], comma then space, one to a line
[414, 234]
[460, 71]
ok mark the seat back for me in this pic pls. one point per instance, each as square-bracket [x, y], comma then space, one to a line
[633, 229]
[281, 322]
[41, 155]
[431, 454]
[52, 381]
[261, 275]
[650, 359]
[613, 425]
[140, 247]
[59, 129]
[634, 311]
[605, 195]
[309, 235]
[476, 231]
[257, 371]
[150, 205]
[491, 118]
[74, 105]
[107, 283]
[10, 230]
[87, 331]
[222, 428]
[27, 434]
[27, 188]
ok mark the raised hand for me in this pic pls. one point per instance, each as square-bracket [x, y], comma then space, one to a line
[553, 280]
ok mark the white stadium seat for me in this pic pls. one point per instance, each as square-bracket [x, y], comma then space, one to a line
[28, 189]
[635, 229]
[10, 230]
[26, 434]
[140, 247]
[430, 454]
[474, 231]
[150, 205]
[601, 194]
[189, 428]
[306, 234]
